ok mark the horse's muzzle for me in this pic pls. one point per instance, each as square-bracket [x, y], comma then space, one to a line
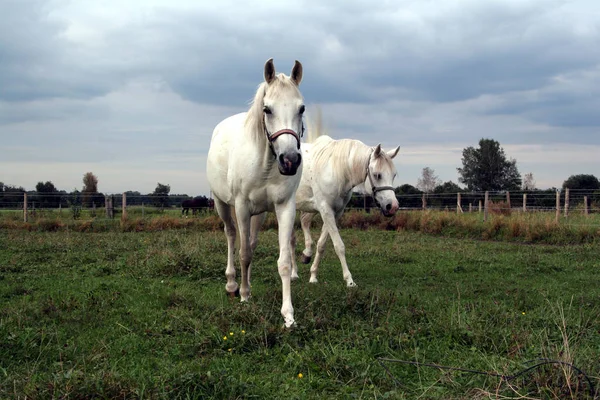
[389, 209]
[289, 163]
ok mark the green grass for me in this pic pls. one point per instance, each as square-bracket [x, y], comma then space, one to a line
[144, 315]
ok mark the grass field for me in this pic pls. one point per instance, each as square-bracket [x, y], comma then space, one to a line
[144, 315]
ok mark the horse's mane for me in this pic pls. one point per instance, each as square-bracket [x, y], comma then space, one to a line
[348, 157]
[254, 119]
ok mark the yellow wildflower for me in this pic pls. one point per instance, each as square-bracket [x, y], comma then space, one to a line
[230, 333]
[224, 337]
[300, 375]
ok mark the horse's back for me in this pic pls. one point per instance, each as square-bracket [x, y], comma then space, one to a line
[229, 127]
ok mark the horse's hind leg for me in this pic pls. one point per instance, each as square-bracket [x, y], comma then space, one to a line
[224, 211]
[305, 220]
[293, 254]
[331, 223]
[320, 250]
[243, 218]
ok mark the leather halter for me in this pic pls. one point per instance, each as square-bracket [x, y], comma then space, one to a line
[273, 137]
[374, 188]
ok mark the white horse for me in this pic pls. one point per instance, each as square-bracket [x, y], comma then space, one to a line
[254, 164]
[332, 168]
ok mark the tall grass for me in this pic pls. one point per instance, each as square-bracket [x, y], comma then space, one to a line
[532, 227]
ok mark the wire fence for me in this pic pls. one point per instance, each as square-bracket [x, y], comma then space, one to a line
[560, 202]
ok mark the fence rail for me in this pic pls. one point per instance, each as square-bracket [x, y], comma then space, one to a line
[560, 202]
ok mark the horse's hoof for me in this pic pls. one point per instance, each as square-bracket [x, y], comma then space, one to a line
[234, 294]
[290, 325]
[306, 259]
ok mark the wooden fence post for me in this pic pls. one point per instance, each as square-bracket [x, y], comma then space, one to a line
[470, 208]
[585, 206]
[566, 202]
[485, 210]
[458, 206]
[124, 215]
[508, 200]
[423, 202]
[524, 202]
[479, 206]
[557, 205]
[24, 207]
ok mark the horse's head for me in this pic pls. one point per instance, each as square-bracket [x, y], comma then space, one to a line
[283, 108]
[381, 173]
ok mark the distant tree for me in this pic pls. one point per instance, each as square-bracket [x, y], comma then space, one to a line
[528, 181]
[75, 203]
[448, 187]
[90, 183]
[47, 195]
[581, 182]
[160, 196]
[90, 190]
[408, 196]
[11, 196]
[428, 180]
[487, 168]
[407, 189]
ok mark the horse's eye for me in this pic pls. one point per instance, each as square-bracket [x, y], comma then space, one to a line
[266, 110]
[301, 111]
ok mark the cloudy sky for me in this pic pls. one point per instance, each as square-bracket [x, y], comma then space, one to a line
[132, 89]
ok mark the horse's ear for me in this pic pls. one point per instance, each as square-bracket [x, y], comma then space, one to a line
[269, 71]
[297, 73]
[392, 153]
[377, 150]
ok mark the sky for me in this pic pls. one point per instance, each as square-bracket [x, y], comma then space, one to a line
[132, 90]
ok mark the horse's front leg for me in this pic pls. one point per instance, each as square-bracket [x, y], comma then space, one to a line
[256, 223]
[305, 220]
[243, 219]
[286, 214]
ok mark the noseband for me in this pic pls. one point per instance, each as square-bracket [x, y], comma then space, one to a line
[374, 188]
[273, 137]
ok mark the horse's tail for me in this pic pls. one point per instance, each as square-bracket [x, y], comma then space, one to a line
[315, 128]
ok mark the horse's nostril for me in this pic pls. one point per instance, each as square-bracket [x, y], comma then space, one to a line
[388, 207]
[281, 159]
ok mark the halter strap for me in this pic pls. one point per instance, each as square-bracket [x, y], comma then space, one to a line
[374, 188]
[273, 137]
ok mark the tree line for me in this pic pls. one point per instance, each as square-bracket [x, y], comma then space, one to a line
[484, 168]
[46, 195]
